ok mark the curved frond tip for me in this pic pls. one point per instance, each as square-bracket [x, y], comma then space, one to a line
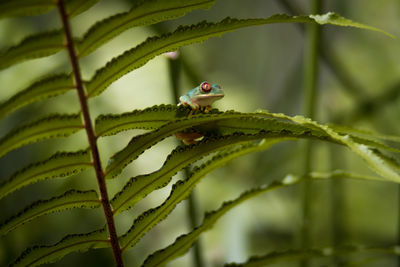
[384, 166]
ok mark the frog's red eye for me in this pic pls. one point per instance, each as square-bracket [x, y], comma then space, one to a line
[206, 87]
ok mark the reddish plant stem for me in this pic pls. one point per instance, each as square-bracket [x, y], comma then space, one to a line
[91, 137]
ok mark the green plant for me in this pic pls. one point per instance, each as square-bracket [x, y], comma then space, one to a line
[228, 135]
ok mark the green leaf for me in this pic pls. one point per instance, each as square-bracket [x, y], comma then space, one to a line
[382, 165]
[76, 7]
[363, 133]
[367, 138]
[184, 242]
[159, 115]
[40, 90]
[370, 142]
[344, 174]
[141, 14]
[182, 189]
[186, 35]
[140, 186]
[35, 46]
[150, 118]
[142, 142]
[15, 8]
[226, 122]
[292, 254]
[38, 255]
[61, 164]
[335, 19]
[52, 126]
[69, 200]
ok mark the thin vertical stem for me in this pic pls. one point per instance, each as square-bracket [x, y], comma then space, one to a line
[194, 218]
[91, 136]
[175, 71]
[310, 91]
[398, 222]
[327, 56]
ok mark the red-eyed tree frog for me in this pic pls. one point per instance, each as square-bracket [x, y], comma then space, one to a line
[198, 98]
[202, 96]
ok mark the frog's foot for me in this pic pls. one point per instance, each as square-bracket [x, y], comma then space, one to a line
[207, 109]
[188, 137]
[195, 109]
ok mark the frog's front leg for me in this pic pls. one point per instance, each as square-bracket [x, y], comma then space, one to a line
[186, 101]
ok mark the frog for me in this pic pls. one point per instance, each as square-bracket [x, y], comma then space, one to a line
[199, 98]
[202, 97]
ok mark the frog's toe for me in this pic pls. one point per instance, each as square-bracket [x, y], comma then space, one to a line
[207, 109]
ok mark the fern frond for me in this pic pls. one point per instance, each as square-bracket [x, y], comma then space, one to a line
[35, 46]
[38, 255]
[140, 186]
[182, 189]
[140, 143]
[226, 123]
[25, 7]
[186, 35]
[382, 165]
[52, 126]
[372, 143]
[293, 255]
[141, 14]
[159, 115]
[363, 133]
[184, 242]
[61, 164]
[40, 90]
[16, 8]
[69, 200]
[344, 174]
[76, 7]
[150, 118]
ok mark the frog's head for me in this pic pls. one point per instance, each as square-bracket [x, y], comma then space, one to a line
[206, 94]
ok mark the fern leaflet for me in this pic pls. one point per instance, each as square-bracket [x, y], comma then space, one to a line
[69, 200]
[52, 126]
[40, 90]
[141, 14]
[38, 255]
[62, 164]
[182, 189]
[35, 46]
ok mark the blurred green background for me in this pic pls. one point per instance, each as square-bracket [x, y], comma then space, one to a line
[258, 67]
